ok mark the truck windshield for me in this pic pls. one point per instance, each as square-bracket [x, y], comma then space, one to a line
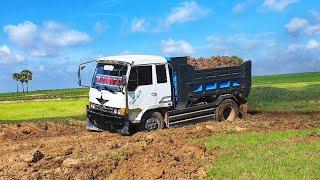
[109, 77]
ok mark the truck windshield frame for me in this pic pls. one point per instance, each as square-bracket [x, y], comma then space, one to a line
[112, 81]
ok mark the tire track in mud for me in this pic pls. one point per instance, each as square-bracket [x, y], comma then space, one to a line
[72, 152]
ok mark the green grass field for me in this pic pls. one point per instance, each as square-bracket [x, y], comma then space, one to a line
[47, 105]
[45, 94]
[291, 92]
[273, 155]
[43, 110]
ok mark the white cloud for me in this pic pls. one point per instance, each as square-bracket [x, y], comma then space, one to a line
[296, 25]
[188, 11]
[312, 44]
[278, 5]
[306, 48]
[240, 44]
[238, 8]
[313, 29]
[271, 44]
[126, 52]
[176, 47]
[139, 25]
[100, 27]
[315, 15]
[41, 68]
[302, 47]
[45, 40]
[300, 26]
[7, 56]
[71, 68]
[294, 48]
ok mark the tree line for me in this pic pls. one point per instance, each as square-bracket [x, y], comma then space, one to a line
[24, 76]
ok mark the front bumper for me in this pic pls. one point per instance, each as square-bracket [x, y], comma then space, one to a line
[105, 118]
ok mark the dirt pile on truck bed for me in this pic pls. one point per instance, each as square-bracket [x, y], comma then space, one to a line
[69, 151]
[214, 62]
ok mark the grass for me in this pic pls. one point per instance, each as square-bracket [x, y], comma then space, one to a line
[287, 78]
[289, 92]
[48, 110]
[273, 155]
[46, 94]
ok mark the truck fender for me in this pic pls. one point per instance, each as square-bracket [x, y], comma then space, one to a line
[150, 111]
[225, 96]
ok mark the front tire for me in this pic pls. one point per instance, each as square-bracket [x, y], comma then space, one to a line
[154, 122]
[228, 110]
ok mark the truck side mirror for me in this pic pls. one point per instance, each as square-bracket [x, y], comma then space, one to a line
[81, 67]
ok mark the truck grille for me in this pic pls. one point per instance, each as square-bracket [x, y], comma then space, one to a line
[102, 108]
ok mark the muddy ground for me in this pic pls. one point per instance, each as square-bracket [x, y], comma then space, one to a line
[68, 151]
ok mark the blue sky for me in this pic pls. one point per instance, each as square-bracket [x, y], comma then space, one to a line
[52, 37]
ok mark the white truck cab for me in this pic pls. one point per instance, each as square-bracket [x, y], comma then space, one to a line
[148, 88]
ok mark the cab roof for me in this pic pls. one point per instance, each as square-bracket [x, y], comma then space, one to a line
[136, 59]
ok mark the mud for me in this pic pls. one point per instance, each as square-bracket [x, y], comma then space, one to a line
[71, 152]
[214, 62]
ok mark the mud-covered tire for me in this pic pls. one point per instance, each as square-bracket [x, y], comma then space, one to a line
[228, 110]
[154, 122]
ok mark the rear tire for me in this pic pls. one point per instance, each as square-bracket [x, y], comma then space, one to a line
[154, 122]
[228, 110]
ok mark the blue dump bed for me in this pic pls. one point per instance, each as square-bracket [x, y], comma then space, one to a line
[191, 86]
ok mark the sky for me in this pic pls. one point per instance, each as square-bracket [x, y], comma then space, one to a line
[51, 38]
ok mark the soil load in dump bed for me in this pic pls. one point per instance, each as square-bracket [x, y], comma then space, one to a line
[214, 62]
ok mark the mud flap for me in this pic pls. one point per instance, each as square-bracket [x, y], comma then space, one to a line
[92, 126]
[125, 131]
[243, 111]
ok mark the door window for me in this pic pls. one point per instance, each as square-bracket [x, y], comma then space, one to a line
[139, 76]
[161, 74]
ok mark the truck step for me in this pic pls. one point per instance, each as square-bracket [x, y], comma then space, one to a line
[189, 121]
[190, 116]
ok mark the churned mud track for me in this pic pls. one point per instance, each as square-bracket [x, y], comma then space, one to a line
[63, 151]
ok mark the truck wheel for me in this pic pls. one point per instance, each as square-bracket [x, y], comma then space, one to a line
[154, 122]
[228, 110]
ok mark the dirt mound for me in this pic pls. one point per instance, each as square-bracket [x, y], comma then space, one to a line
[68, 151]
[215, 62]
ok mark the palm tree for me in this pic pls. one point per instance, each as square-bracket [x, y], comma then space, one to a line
[27, 76]
[22, 78]
[16, 77]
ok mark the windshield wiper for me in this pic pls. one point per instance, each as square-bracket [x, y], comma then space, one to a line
[109, 89]
[104, 88]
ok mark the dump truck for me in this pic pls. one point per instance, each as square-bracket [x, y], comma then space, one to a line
[147, 92]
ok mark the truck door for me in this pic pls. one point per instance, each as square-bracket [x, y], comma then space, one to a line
[141, 88]
[163, 86]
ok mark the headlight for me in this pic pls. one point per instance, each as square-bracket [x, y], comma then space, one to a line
[92, 105]
[121, 111]
[115, 111]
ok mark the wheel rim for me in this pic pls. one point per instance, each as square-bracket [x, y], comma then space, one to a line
[151, 124]
[229, 113]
